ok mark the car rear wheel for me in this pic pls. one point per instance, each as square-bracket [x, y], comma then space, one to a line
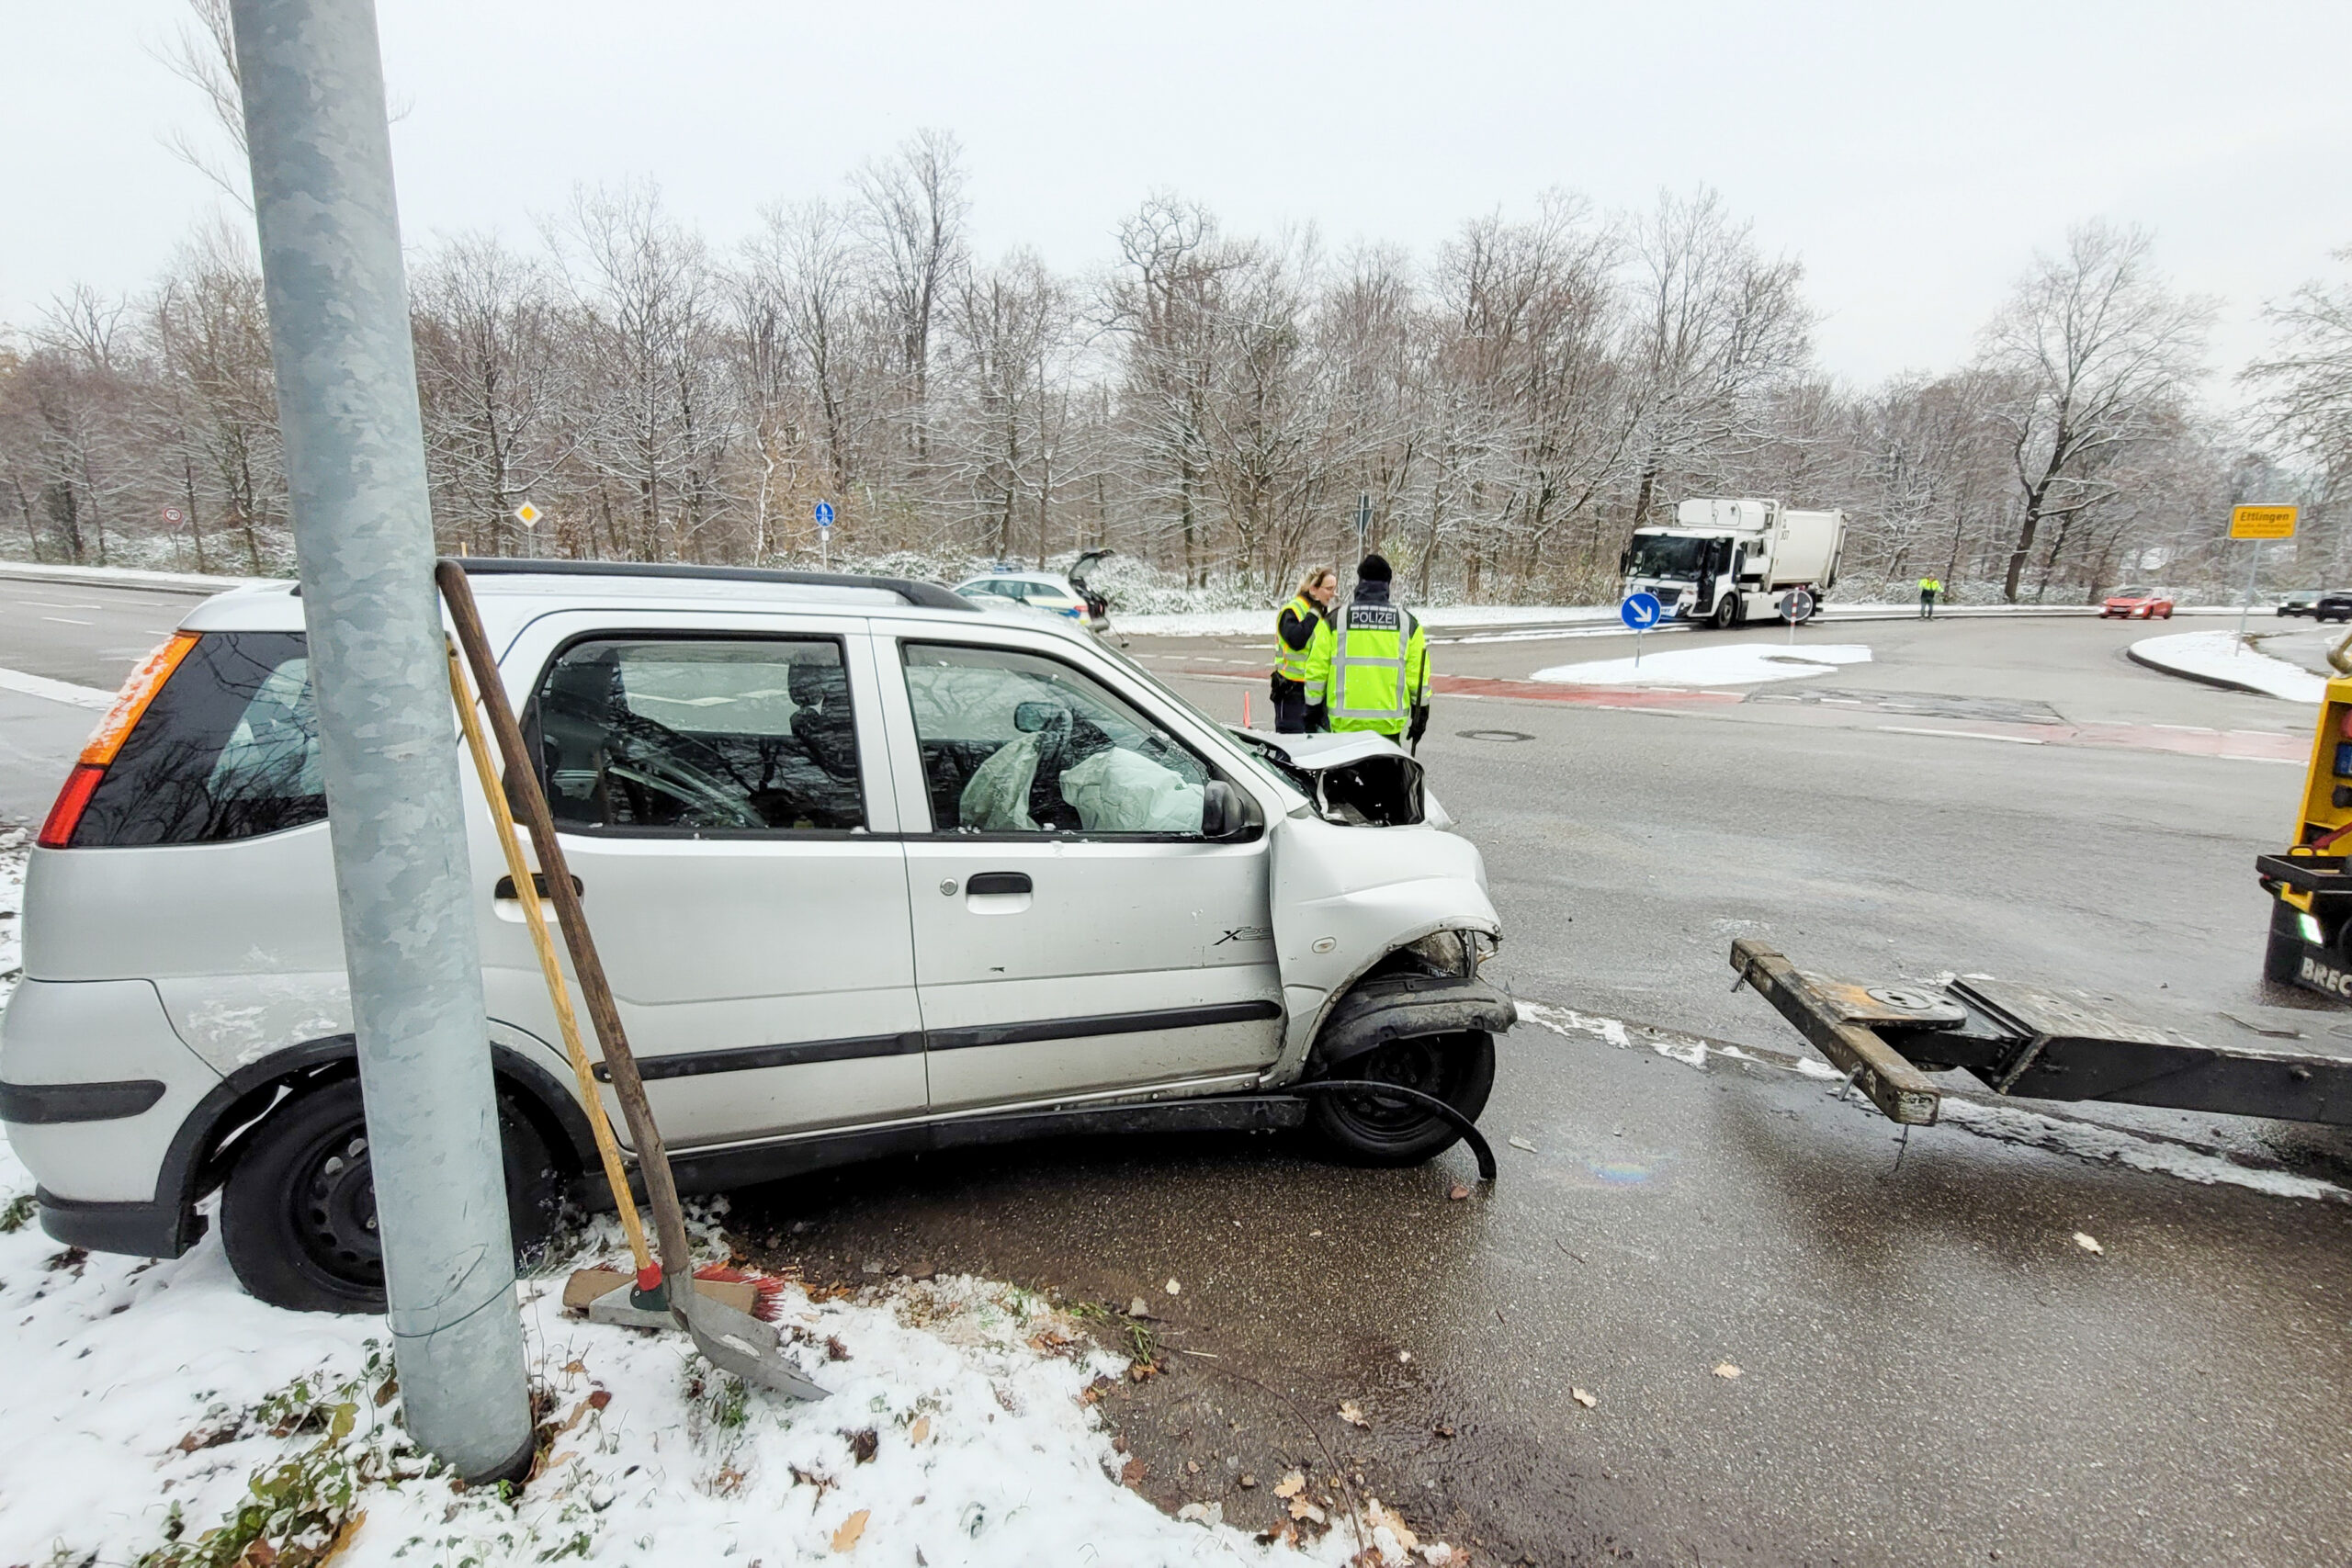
[1370, 1128]
[297, 1213]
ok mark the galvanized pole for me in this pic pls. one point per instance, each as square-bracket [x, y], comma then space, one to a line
[2253, 574]
[363, 538]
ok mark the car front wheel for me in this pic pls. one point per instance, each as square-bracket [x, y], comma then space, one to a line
[1366, 1127]
[297, 1213]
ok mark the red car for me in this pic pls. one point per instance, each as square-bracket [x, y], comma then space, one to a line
[2136, 603]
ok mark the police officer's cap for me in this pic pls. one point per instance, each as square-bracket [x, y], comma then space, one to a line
[1374, 569]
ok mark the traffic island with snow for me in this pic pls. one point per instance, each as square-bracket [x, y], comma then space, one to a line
[2228, 660]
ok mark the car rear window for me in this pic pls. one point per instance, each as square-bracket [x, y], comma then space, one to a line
[229, 749]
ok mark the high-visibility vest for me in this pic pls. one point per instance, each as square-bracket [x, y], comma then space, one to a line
[1372, 671]
[1290, 663]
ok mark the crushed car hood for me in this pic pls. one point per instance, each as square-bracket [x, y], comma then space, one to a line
[1356, 780]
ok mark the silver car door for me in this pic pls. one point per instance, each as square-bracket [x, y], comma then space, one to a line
[1105, 946]
[725, 801]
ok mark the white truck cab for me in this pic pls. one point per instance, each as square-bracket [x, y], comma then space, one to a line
[871, 873]
[1726, 562]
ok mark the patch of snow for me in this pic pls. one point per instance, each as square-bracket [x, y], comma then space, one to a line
[1720, 664]
[2220, 655]
[140, 1399]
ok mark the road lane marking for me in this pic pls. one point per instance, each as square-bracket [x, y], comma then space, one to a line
[1963, 734]
[65, 620]
[55, 691]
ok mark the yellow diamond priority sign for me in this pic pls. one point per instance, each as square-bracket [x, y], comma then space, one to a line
[528, 514]
[2262, 522]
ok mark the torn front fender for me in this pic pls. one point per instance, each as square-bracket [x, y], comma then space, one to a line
[1406, 1007]
[1346, 897]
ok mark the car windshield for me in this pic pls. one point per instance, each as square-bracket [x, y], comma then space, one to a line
[2134, 593]
[1248, 750]
[1660, 555]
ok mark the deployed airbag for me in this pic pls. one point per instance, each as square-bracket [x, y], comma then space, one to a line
[1116, 791]
[996, 798]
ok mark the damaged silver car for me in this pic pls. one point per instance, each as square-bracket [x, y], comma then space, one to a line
[873, 873]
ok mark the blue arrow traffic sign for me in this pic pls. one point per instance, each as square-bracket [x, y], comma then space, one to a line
[1641, 610]
[824, 515]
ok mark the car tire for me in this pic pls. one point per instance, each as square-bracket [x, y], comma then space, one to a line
[1727, 611]
[297, 1212]
[1368, 1128]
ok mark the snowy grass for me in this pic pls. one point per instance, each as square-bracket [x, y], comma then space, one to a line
[1718, 664]
[153, 1413]
[2220, 655]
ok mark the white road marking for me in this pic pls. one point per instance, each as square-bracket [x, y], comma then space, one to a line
[55, 691]
[52, 605]
[1963, 734]
[65, 620]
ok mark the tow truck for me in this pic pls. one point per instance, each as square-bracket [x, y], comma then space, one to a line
[2065, 1045]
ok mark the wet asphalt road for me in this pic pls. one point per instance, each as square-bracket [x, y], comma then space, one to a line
[1931, 1369]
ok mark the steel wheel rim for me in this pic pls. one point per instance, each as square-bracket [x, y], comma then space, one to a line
[333, 1209]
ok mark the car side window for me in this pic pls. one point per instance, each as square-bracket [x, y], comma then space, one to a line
[1015, 742]
[707, 734]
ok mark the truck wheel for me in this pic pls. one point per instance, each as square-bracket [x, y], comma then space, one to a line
[1372, 1128]
[297, 1213]
[1726, 610]
[2282, 959]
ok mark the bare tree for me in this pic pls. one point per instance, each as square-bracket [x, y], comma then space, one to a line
[2098, 352]
[911, 212]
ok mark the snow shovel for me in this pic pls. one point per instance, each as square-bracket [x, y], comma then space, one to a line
[668, 1290]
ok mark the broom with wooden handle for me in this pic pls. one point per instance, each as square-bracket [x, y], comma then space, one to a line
[732, 1339]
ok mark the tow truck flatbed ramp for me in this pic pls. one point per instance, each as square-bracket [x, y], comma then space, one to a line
[2034, 1043]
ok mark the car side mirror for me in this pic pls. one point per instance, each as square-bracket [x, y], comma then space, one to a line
[1228, 815]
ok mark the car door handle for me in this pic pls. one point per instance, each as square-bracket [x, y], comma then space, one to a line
[505, 889]
[998, 882]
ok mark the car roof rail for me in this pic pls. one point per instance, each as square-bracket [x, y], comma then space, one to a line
[928, 595]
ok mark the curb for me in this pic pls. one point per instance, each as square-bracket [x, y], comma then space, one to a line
[2222, 682]
[125, 577]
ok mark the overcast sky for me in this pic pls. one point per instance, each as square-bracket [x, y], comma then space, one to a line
[1912, 155]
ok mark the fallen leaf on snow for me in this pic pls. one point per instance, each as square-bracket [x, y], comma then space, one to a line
[1352, 1416]
[1584, 1397]
[921, 1431]
[1379, 1517]
[851, 1527]
[1291, 1486]
[1523, 1145]
[1300, 1508]
[1725, 1369]
[1459, 1192]
[2087, 1243]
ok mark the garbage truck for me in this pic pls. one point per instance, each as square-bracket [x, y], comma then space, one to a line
[1724, 562]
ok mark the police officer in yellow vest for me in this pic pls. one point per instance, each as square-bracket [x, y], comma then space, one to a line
[1302, 621]
[1373, 671]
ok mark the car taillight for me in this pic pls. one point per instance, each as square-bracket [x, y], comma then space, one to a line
[57, 831]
